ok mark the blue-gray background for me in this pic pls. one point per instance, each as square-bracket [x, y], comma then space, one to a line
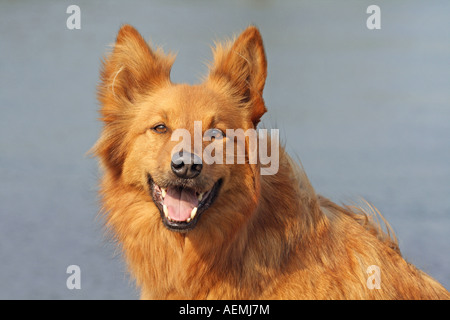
[367, 112]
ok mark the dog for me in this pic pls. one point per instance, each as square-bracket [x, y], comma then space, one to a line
[195, 229]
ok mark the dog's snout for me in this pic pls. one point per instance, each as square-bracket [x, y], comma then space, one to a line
[186, 165]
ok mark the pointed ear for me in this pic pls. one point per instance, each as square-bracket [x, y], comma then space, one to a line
[130, 71]
[132, 68]
[243, 66]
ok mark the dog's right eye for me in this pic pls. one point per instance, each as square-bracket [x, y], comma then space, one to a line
[160, 128]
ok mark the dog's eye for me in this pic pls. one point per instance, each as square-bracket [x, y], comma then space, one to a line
[160, 128]
[214, 134]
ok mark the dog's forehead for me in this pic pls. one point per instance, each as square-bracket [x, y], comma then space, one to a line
[185, 104]
[193, 97]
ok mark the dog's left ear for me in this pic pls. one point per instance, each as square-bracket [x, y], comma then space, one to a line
[243, 66]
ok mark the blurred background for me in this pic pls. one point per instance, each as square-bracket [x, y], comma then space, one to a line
[366, 111]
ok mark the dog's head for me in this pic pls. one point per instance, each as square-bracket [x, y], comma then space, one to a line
[169, 139]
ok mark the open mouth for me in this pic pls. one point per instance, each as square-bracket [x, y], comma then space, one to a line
[181, 207]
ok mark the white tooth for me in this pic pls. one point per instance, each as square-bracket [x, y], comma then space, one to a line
[166, 211]
[163, 192]
[193, 212]
[188, 220]
[200, 196]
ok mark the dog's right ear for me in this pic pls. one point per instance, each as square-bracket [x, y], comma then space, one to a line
[132, 69]
[129, 72]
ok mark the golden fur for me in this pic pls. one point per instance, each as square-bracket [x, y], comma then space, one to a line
[266, 236]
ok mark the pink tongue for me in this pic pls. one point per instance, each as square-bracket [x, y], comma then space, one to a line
[180, 203]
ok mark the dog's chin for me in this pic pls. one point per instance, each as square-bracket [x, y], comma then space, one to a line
[181, 206]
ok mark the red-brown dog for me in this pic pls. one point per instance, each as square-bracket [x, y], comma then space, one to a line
[193, 229]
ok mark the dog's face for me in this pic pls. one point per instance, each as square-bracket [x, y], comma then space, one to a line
[170, 139]
[176, 124]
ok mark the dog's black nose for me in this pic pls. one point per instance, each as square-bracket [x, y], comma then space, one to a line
[186, 165]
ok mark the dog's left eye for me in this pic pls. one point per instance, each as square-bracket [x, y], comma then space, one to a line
[160, 128]
[214, 134]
